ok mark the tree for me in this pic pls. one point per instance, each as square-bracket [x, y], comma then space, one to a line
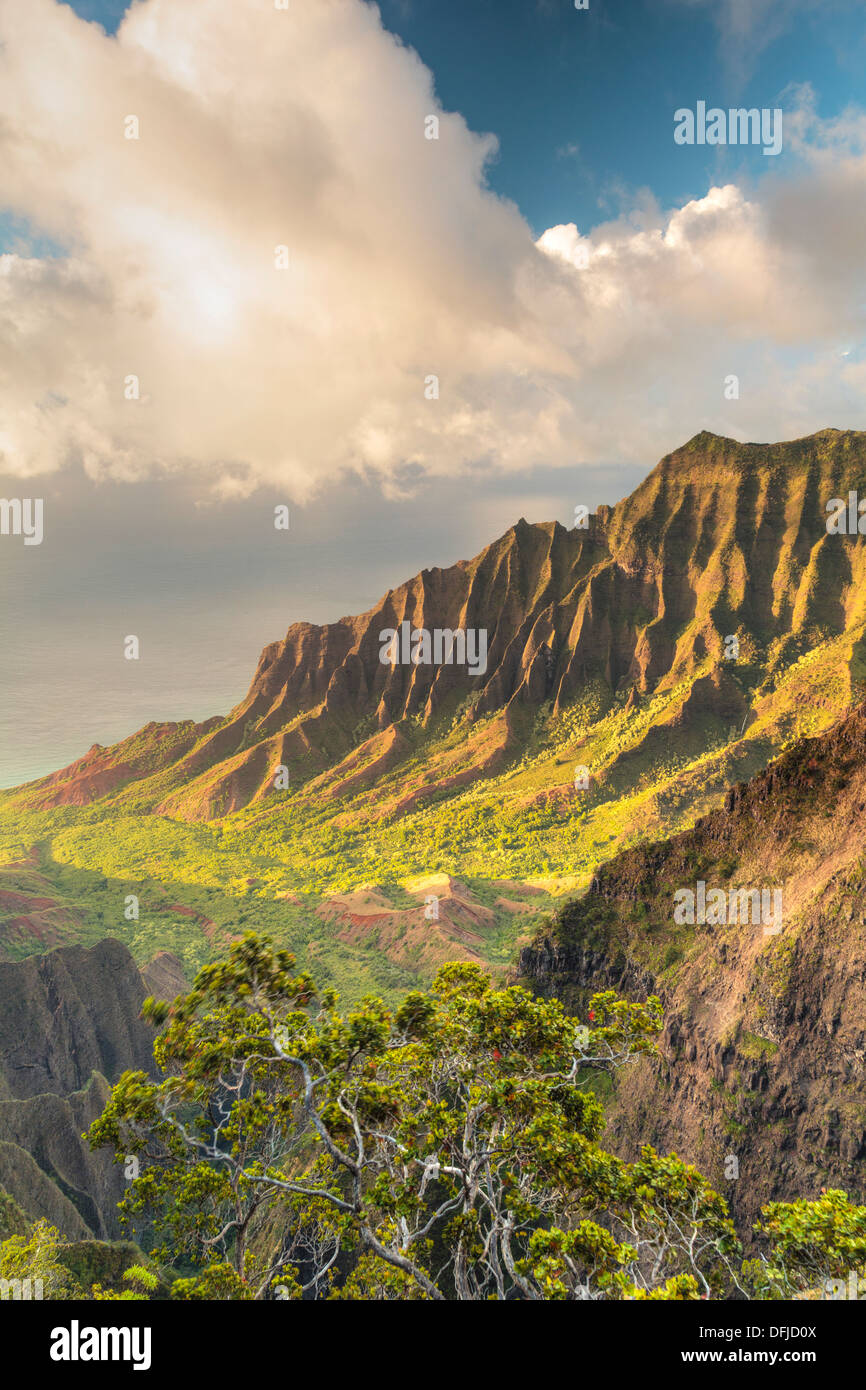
[446, 1150]
[139, 1283]
[30, 1268]
[815, 1248]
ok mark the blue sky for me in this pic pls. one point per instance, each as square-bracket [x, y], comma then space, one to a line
[544, 77]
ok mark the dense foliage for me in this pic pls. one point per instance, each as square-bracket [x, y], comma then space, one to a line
[448, 1149]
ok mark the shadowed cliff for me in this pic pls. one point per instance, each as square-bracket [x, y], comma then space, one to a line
[69, 1025]
[763, 1055]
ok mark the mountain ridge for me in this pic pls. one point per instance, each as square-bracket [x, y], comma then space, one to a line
[607, 651]
[307, 685]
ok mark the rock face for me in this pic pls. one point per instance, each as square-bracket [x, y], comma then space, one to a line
[67, 1014]
[163, 977]
[721, 539]
[69, 1025]
[763, 1056]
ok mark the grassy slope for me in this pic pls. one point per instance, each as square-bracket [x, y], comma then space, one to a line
[527, 822]
[720, 538]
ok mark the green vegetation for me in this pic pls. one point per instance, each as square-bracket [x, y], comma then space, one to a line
[816, 1249]
[449, 1149]
[37, 1264]
[755, 1048]
[31, 1268]
[273, 862]
[444, 1150]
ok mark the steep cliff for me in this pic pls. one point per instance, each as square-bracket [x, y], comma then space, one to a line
[722, 539]
[763, 1056]
[634, 669]
[69, 1025]
[67, 1014]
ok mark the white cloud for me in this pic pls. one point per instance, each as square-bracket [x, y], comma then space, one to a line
[305, 128]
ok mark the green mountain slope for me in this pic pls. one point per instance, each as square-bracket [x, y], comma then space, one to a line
[610, 657]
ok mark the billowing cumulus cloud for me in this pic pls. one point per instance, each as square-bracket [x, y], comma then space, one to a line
[305, 129]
